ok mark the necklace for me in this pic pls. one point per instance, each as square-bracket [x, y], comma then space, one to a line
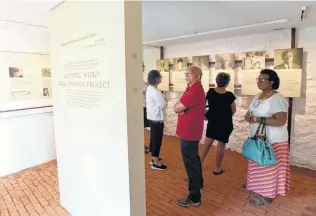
[258, 102]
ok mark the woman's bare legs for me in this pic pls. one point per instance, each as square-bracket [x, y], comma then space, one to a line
[207, 145]
[219, 156]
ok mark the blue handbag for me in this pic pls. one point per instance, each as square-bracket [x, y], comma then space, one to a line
[258, 149]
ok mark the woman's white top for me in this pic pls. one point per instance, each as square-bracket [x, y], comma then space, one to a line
[267, 108]
[144, 93]
[155, 103]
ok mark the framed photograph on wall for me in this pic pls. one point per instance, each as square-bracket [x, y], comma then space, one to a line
[180, 67]
[288, 63]
[163, 66]
[203, 62]
[251, 65]
[225, 63]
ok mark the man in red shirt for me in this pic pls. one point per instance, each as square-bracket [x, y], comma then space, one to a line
[190, 110]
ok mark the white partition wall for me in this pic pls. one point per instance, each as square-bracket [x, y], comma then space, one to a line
[96, 63]
[26, 136]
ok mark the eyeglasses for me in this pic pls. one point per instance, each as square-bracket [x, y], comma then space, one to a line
[262, 79]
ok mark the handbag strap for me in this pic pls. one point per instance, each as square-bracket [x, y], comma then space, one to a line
[264, 128]
[257, 132]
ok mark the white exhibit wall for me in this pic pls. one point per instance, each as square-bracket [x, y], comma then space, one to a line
[150, 55]
[19, 37]
[35, 143]
[26, 137]
[98, 107]
[303, 131]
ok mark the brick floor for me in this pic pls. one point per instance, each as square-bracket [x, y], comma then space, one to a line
[35, 191]
[222, 195]
[32, 192]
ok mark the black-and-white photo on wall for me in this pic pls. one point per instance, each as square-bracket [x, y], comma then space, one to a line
[180, 66]
[203, 62]
[225, 61]
[253, 60]
[251, 64]
[287, 59]
[288, 64]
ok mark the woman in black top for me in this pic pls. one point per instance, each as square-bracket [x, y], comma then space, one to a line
[220, 119]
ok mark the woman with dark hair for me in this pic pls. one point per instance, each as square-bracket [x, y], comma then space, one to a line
[266, 182]
[220, 119]
[156, 104]
[146, 122]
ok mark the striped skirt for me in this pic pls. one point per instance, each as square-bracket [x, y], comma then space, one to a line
[270, 181]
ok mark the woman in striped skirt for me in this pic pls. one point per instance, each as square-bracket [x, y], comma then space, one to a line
[267, 182]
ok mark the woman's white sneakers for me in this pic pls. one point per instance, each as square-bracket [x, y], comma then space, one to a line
[161, 167]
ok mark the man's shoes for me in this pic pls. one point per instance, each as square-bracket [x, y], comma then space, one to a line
[186, 202]
[161, 167]
[186, 181]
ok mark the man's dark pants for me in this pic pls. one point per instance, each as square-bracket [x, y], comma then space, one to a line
[192, 164]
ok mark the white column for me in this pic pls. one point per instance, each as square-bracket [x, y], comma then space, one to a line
[96, 55]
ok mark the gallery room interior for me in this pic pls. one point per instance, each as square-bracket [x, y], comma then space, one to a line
[71, 114]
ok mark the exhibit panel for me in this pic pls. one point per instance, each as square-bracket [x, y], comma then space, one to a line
[25, 81]
[163, 66]
[288, 65]
[252, 64]
[249, 83]
[180, 67]
[226, 63]
[203, 62]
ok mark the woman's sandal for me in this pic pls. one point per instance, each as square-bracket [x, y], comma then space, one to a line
[259, 200]
[218, 173]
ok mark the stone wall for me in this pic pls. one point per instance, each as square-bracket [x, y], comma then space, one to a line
[303, 149]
